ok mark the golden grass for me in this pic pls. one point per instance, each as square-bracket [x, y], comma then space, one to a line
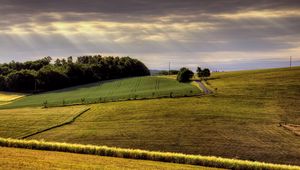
[17, 123]
[16, 159]
[10, 96]
[208, 161]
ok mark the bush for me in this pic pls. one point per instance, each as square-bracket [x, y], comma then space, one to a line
[184, 75]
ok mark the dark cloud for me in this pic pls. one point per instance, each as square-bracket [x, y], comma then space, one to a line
[149, 28]
[131, 8]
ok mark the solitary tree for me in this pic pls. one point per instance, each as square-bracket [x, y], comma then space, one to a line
[184, 75]
[199, 72]
[206, 72]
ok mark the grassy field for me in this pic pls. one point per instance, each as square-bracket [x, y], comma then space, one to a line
[207, 161]
[16, 123]
[114, 90]
[13, 158]
[240, 121]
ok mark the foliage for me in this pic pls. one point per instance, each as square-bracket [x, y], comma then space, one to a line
[208, 161]
[51, 78]
[165, 72]
[184, 75]
[206, 72]
[42, 75]
[2, 83]
[23, 80]
[203, 73]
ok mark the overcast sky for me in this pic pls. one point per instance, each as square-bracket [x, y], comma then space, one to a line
[221, 34]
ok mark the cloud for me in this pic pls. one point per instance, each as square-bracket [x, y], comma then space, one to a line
[225, 31]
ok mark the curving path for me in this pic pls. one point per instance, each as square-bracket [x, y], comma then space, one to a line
[203, 87]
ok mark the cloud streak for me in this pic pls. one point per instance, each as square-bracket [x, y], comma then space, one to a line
[186, 32]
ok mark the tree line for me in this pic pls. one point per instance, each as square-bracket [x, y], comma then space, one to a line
[165, 72]
[44, 75]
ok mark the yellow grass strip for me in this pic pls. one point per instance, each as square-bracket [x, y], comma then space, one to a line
[208, 161]
[10, 96]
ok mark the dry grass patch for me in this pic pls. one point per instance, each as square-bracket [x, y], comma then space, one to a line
[10, 96]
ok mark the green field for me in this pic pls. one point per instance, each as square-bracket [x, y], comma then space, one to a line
[114, 90]
[13, 158]
[241, 120]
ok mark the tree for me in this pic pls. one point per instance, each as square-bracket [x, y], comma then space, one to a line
[184, 75]
[50, 78]
[2, 83]
[206, 72]
[24, 81]
[203, 73]
[199, 72]
[57, 63]
[42, 75]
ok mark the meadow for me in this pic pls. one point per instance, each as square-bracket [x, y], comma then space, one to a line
[241, 120]
[107, 91]
[17, 123]
[207, 161]
[13, 158]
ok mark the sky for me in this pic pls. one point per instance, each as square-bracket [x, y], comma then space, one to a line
[220, 34]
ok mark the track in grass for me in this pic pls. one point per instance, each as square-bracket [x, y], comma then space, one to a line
[114, 90]
[17, 123]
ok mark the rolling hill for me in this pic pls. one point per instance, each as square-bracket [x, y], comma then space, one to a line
[241, 120]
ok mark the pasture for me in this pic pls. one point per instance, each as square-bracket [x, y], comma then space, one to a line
[16, 123]
[207, 161]
[15, 159]
[241, 120]
[113, 90]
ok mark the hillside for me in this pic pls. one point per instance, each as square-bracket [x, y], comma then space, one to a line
[240, 121]
[113, 90]
[12, 158]
[17, 123]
